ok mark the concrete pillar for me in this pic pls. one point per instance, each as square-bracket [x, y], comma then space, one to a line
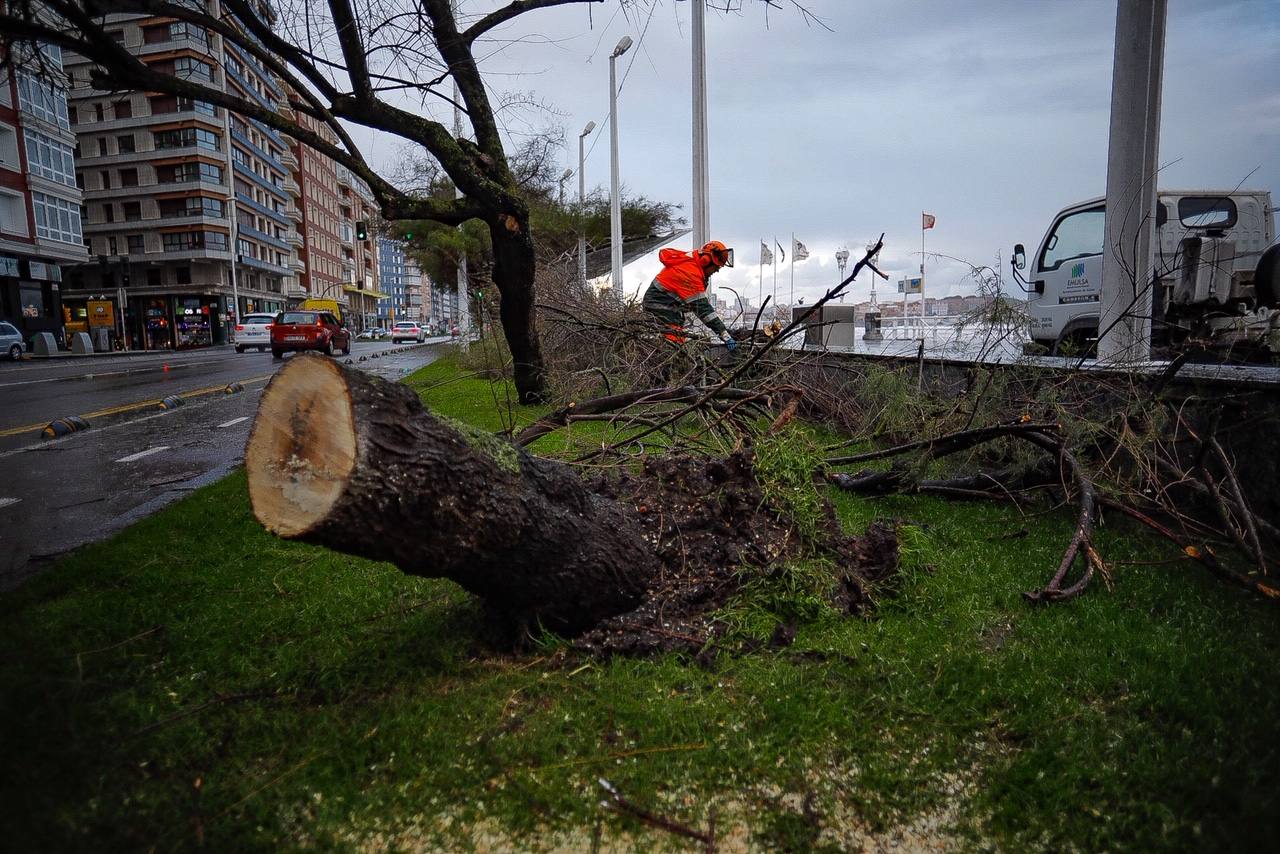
[1124, 327]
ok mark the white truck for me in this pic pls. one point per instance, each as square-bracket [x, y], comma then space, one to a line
[1216, 278]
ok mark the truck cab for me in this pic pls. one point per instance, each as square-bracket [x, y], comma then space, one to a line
[1210, 275]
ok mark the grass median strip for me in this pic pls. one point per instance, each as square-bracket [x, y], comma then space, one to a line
[278, 695]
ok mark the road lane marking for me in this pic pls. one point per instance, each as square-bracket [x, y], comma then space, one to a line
[45, 445]
[142, 404]
[234, 421]
[5, 502]
[148, 452]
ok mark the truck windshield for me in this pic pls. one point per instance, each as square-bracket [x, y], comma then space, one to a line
[1076, 235]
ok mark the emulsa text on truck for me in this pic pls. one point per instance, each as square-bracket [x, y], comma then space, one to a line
[1215, 283]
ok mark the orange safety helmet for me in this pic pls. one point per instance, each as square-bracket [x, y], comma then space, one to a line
[717, 253]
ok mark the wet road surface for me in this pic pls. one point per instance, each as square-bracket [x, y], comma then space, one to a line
[58, 494]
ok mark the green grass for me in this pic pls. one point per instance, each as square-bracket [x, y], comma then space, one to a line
[194, 681]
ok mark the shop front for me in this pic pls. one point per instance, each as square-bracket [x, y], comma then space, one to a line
[178, 321]
[30, 296]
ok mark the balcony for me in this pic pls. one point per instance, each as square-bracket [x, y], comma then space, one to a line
[291, 187]
[288, 159]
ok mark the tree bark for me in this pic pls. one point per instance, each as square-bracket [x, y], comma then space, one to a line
[514, 267]
[343, 459]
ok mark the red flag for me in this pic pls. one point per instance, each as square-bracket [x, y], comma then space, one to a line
[927, 221]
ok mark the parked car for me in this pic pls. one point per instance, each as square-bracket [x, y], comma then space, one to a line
[407, 330]
[308, 330]
[11, 343]
[254, 330]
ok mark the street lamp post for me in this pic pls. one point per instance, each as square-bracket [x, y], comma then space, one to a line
[842, 258]
[568, 173]
[615, 201]
[582, 203]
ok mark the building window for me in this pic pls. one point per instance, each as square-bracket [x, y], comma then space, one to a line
[183, 275]
[57, 219]
[43, 99]
[73, 115]
[186, 137]
[106, 179]
[132, 211]
[102, 146]
[124, 109]
[182, 241]
[136, 244]
[124, 144]
[111, 245]
[182, 172]
[108, 212]
[153, 278]
[50, 158]
[128, 177]
[97, 112]
[31, 296]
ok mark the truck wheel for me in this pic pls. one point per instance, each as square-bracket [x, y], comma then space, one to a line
[1266, 280]
[277, 353]
[1077, 342]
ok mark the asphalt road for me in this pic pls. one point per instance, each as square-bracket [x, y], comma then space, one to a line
[135, 458]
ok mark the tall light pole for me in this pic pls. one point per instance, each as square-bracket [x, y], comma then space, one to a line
[842, 258]
[1137, 81]
[701, 170]
[615, 201]
[462, 314]
[582, 203]
[568, 173]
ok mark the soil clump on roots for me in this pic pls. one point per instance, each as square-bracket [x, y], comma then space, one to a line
[713, 530]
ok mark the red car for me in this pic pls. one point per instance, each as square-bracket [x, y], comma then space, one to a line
[308, 330]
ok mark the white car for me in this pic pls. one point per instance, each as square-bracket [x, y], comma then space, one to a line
[407, 330]
[254, 330]
[11, 343]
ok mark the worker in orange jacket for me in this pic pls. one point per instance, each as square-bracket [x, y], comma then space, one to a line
[681, 287]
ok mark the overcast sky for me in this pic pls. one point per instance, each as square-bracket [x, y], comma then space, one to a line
[990, 115]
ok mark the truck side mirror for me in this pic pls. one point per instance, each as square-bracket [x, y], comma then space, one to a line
[1019, 256]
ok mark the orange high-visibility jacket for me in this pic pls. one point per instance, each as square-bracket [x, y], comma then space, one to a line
[681, 274]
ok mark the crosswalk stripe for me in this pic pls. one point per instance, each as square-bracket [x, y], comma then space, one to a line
[5, 502]
[234, 421]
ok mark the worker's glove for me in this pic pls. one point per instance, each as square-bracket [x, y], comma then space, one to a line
[730, 344]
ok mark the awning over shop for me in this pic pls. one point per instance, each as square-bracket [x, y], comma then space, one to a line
[352, 289]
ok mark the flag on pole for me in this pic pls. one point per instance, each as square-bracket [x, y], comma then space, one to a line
[782, 253]
[798, 250]
[927, 220]
[766, 257]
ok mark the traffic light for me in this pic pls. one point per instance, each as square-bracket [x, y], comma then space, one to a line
[362, 230]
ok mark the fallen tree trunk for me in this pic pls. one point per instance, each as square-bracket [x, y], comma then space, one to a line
[343, 459]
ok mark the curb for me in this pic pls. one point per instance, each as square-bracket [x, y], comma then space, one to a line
[118, 354]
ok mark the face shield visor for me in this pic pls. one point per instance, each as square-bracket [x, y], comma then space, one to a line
[722, 257]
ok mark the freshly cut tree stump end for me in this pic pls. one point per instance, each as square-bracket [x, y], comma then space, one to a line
[302, 449]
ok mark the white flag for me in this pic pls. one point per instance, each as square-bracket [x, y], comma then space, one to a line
[798, 252]
[766, 257]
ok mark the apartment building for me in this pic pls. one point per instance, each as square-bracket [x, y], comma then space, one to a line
[189, 211]
[322, 272]
[359, 252]
[402, 280]
[40, 225]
